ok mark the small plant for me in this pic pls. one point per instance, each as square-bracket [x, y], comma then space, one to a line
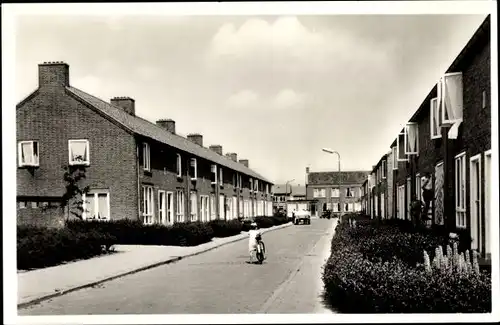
[453, 262]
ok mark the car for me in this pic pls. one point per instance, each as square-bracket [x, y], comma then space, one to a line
[303, 216]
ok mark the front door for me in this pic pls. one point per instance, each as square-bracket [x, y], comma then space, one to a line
[170, 208]
[487, 203]
[475, 202]
[162, 205]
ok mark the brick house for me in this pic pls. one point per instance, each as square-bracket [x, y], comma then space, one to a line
[449, 139]
[380, 188]
[330, 189]
[135, 169]
[290, 198]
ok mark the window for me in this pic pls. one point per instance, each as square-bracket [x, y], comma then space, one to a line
[96, 206]
[179, 165]
[21, 204]
[335, 192]
[349, 192]
[400, 148]
[235, 207]
[267, 188]
[221, 178]
[484, 100]
[460, 190]
[194, 207]
[213, 213]
[436, 118]
[394, 157]
[475, 201]
[193, 169]
[251, 185]
[78, 152]
[214, 174]
[146, 156]
[411, 138]
[222, 207]
[235, 181]
[179, 209]
[256, 184]
[384, 169]
[240, 182]
[241, 212]
[28, 153]
[451, 91]
[147, 204]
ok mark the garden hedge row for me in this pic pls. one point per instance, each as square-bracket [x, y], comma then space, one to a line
[376, 268]
[41, 247]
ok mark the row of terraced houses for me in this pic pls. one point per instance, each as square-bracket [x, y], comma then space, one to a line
[134, 168]
[447, 139]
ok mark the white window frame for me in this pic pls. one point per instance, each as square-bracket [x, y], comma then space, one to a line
[222, 206]
[213, 170]
[418, 187]
[35, 159]
[436, 118]
[180, 206]
[474, 188]
[96, 198]
[398, 148]
[179, 165]
[335, 192]
[213, 210]
[394, 158]
[146, 156]
[408, 198]
[487, 201]
[193, 208]
[384, 167]
[194, 164]
[79, 163]
[256, 185]
[460, 191]
[235, 207]
[408, 128]
[444, 108]
[162, 210]
[148, 204]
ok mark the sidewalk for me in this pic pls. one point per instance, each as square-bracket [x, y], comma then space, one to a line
[42, 284]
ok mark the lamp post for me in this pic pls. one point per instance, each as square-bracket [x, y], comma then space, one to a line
[330, 151]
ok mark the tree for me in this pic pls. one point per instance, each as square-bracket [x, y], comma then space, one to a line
[73, 197]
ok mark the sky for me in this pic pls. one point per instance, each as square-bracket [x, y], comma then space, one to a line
[273, 89]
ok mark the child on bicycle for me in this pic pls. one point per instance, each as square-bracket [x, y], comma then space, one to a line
[254, 236]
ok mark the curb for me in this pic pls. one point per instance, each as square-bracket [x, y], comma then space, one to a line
[143, 268]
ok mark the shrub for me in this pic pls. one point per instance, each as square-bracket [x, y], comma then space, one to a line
[41, 247]
[223, 228]
[362, 276]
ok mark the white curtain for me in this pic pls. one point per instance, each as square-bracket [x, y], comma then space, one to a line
[27, 153]
[453, 96]
[78, 151]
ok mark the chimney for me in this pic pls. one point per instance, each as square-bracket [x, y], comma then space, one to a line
[216, 148]
[168, 125]
[233, 156]
[126, 103]
[196, 138]
[244, 162]
[52, 74]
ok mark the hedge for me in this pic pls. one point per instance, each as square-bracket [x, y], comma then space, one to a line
[376, 268]
[39, 247]
[42, 247]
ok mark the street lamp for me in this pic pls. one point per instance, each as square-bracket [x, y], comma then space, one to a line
[330, 151]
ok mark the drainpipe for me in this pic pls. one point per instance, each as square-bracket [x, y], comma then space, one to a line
[448, 188]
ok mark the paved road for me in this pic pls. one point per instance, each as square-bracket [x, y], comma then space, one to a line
[216, 282]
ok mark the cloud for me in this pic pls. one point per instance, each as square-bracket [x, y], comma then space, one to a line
[284, 99]
[243, 99]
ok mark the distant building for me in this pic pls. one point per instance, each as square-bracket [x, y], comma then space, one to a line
[338, 192]
[289, 198]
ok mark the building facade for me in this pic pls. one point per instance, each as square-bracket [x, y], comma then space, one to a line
[134, 168]
[338, 192]
[449, 140]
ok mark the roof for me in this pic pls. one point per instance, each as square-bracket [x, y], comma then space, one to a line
[480, 38]
[297, 190]
[329, 178]
[145, 128]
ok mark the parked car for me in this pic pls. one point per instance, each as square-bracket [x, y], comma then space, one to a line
[327, 214]
[303, 216]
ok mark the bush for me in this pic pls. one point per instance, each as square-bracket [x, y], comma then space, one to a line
[223, 228]
[374, 269]
[40, 247]
[133, 232]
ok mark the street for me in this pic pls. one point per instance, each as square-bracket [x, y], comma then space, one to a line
[216, 282]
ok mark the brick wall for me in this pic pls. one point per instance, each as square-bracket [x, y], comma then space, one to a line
[52, 117]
